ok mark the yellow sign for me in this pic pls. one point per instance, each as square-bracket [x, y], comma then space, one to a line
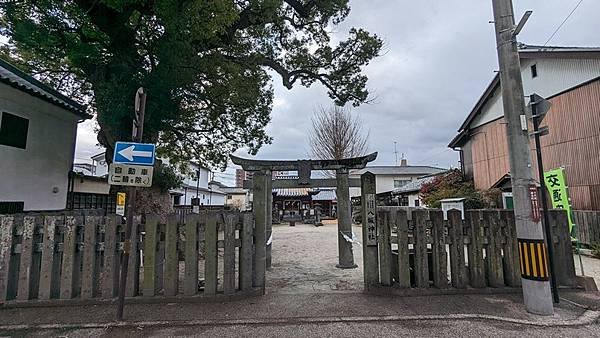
[120, 198]
[556, 184]
[120, 204]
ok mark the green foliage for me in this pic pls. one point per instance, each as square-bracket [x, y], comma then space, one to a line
[166, 178]
[453, 185]
[206, 65]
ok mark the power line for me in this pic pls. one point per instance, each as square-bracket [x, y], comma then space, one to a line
[563, 22]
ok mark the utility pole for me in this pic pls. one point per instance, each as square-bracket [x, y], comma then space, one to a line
[395, 153]
[530, 234]
[137, 132]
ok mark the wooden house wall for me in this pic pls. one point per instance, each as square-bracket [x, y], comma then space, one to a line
[573, 143]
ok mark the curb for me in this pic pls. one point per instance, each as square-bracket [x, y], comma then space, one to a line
[587, 318]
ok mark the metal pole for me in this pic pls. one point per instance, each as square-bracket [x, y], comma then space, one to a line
[549, 243]
[138, 129]
[536, 290]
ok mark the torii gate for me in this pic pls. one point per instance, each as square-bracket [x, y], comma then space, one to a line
[262, 199]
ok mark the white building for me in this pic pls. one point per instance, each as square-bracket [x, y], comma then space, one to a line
[237, 198]
[38, 128]
[388, 178]
[196, 185]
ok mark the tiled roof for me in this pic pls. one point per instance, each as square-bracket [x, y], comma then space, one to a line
[325, 195]
[16, 78]
[293, 192]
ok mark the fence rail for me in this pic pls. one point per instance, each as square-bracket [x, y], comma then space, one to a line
[588, 226]
[421, 249]
[69, 255]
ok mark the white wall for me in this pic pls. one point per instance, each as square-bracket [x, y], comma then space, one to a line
[554, 76]
[383, 183]
[31, 174]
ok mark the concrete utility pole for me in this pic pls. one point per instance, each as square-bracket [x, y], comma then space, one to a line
[530, 235]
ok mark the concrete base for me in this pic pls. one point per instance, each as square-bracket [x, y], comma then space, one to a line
[354, 266]
[587, 283]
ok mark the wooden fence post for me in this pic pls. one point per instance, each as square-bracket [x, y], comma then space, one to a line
[48, 246]
[190, 286]
[231, 219]
[171, 257]
[246, 250]
[88, 277]
[369, 230]
[25, 263]
[495, 274]
[438, 249]
[421, 259]
[111, 257]
[385, 249]
[211, 258]
[150, 246]
[403, 252]
[475, 249]
[457, 250]
[512, 267]
[6, 239]
[68, 257]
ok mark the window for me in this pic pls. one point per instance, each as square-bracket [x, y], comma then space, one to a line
[400, 183]
[416, 203]
[176, 200]
[533, 71]
[11, 207]
[13, 131]
[403, 201]
[229, 197]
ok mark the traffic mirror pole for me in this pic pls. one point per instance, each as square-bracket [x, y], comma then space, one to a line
[137, 131]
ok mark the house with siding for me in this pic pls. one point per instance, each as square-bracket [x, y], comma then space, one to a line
[569, 77]
[38, 129]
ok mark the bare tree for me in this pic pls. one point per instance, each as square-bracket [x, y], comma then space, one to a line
[337, 134]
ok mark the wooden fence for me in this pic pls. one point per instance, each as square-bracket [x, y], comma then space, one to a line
[588, 226]
[421, 249]
[77, 256]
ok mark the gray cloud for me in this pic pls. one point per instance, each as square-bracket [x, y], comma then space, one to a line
[438, 58]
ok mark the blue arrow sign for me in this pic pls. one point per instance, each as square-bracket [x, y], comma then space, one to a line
[134, 153]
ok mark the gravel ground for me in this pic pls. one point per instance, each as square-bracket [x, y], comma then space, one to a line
[296, 268]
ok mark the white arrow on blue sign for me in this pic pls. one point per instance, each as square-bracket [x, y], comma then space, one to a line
[134, 153]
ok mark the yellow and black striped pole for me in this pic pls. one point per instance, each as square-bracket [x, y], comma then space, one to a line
[533, 259]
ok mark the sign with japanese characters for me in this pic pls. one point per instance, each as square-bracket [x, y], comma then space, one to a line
[557, 188]
[130, 175]
[120, 204]
[535, 204]
[370, 221]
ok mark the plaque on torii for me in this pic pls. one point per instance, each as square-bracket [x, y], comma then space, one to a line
[304, 168]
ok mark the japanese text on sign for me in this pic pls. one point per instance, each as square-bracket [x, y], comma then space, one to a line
[130, 175]
[370, 221]
[557, 188]
[535, 204]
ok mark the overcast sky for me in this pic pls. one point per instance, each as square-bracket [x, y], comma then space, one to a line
[438, 58]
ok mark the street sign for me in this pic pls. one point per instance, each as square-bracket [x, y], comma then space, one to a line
[134, 153]
[130, 175]
[538, 106]
[120, 203]
[535, 204]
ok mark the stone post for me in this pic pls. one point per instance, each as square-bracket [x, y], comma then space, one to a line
[346, 257]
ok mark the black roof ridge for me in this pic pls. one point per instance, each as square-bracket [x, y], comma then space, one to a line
[69, 104]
